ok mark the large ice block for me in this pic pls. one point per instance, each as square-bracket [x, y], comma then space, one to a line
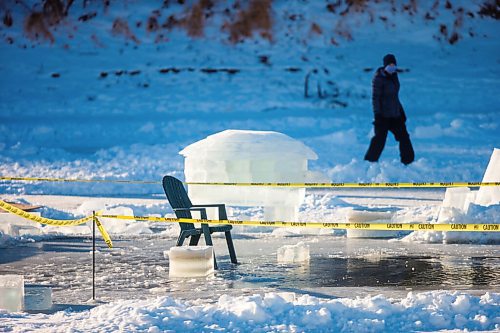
[293, 253]
[12, 292]
[191, 261]
[490, 195]
[37, 298]
[238, 156]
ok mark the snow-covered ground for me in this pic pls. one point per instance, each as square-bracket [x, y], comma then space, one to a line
[133, 122]
[279, 312]
[94, 105]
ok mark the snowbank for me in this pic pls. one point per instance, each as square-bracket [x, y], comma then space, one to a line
[277, 312]
[476, 214]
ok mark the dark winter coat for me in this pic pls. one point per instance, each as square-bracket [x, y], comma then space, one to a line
[385, 99]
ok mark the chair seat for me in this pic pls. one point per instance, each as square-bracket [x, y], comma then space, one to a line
[215, 228]
[221, 228]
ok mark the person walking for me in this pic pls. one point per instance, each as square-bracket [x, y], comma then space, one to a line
[389, 114]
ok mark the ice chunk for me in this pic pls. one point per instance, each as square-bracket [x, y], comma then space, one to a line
[469, 199]
[363, 216]
[12, 292]
[490, 195]
[37, 298]
[293, 253]
[16, 226]
[250, 156]
[191, 261]
[456, 198]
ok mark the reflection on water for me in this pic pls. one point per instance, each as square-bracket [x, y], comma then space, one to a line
[400, 271]
[377, 263]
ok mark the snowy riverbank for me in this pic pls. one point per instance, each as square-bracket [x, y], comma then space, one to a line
[277, 312]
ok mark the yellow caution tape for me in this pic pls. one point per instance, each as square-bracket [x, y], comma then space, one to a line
[256, 184]
[14, 210]
[325, 225]
[357, 185]
[104, 233]
[60, 223]
[77, 180]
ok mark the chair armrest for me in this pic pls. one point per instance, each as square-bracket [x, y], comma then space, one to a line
[203, 211]
[210, 205]
[222, 209]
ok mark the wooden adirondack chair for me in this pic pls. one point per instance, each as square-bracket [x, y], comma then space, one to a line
[182, 206]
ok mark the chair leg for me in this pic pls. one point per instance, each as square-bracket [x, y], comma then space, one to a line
[194, 240]
[230, 246]
[180, 240]
[208, 239]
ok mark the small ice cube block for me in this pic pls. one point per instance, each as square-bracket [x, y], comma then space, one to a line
[293, 253]
[37, 298]
[191, 261]
[12, 292]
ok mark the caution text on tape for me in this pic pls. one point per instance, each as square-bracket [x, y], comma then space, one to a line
[258, 184]
[325, 225]
[78, 180]
[355, 185]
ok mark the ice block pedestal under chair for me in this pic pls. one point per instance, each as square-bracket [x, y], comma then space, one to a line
[191, 261]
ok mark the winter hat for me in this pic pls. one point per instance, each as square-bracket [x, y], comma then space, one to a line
[389, 59]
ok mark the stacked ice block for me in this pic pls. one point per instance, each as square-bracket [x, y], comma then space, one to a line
[250, 156]
[191, 261]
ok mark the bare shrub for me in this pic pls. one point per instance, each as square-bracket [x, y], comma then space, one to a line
[37, 24]
[343, 30]
[257, 17]
[194, 22]
[357, 5]
[36, 28]
[53, 12]
[120, 27]
[315, 28]
[491, 9]
[152, 24]
[7, 19]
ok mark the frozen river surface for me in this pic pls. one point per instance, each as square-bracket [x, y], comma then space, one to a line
[339, 267]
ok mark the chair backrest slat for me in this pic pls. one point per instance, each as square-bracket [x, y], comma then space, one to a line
[178, 198]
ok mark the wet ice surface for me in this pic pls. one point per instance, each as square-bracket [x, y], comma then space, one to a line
[338, 267]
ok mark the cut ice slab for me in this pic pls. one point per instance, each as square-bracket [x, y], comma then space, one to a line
[190, 261]
[490, 195]
[12, 292]
[37, 298]
[293, 253]
[456, 198]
